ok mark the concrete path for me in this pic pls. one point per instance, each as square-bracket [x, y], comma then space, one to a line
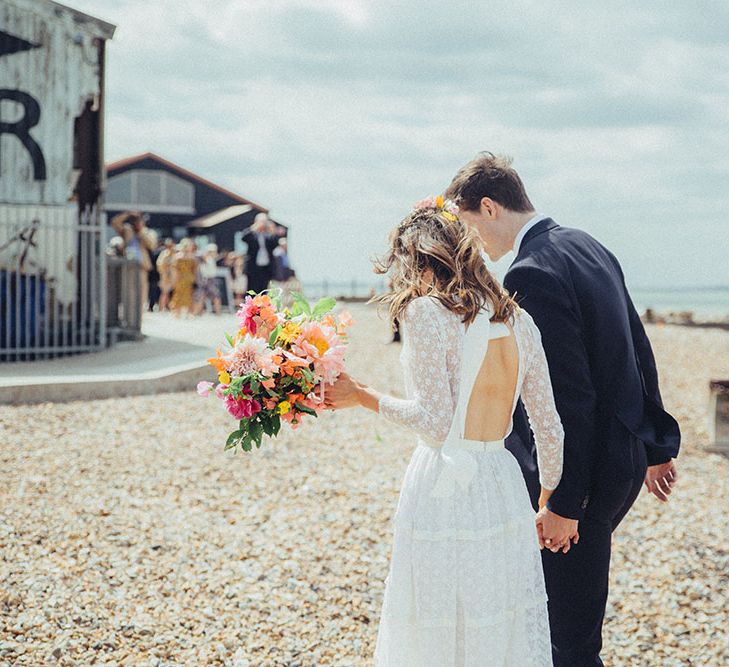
[170, 358]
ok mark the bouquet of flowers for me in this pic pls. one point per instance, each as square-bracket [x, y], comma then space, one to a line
[277, 365]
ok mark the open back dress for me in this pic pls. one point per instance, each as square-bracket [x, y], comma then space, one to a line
[465, 586]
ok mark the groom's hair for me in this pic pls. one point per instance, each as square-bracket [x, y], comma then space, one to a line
[492, 176]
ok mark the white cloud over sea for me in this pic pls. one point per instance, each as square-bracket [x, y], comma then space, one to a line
[338, 114]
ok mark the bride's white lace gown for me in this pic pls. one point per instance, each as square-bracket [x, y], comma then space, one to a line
[465, 586]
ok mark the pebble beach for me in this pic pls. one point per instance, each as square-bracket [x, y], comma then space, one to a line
[128, 537]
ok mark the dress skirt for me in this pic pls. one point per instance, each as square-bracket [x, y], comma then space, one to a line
[465, 586]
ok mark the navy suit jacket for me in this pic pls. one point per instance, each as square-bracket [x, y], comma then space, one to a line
[600, 361]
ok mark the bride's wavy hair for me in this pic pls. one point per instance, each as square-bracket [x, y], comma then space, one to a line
[435, 241]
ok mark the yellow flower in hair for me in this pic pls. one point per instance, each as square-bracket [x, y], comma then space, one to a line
[449, 216]
[439, 201]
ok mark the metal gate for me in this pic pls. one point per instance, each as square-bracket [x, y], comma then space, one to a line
[52, 282]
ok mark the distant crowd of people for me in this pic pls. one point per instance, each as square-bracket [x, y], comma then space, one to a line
[186, 279]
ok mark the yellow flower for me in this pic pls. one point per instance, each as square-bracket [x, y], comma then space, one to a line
[283, 407]
[224, 377]
[290, 332]
[321, 345]
[439, 201]
[449, 216]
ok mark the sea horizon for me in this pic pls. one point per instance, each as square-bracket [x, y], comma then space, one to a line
[703, 301]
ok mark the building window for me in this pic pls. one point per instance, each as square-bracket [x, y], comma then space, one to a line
[150, 190]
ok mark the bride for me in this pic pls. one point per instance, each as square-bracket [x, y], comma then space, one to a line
[465, 586]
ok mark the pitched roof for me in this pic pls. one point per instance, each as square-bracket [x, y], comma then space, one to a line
[125, 162]
[215, 218]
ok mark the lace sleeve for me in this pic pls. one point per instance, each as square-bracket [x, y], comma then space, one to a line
[429, 409]
[538, 399]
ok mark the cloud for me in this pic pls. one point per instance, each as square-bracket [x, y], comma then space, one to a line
[338, 114]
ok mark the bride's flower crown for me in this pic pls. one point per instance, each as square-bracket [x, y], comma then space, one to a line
[446, 207]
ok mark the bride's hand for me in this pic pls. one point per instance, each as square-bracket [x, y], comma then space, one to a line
[344, 393]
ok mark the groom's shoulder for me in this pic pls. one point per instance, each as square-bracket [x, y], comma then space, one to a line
[559, 246]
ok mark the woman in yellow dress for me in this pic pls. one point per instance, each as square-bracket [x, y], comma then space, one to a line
[184, 267]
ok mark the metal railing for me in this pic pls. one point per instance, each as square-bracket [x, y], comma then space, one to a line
[52, 282]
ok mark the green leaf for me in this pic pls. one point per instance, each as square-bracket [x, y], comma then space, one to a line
[305, 408]
[300, 300]
[275, 295]
[323, 306]
[254, 385]
[229, 338]
[267, 426]
[232, 438]
[276, 424]
[256, 432]
[274, 335]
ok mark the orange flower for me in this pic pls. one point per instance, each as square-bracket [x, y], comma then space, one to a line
[294, 398]
[217, 362]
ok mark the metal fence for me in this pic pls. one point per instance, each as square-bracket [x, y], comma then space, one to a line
[52, 282]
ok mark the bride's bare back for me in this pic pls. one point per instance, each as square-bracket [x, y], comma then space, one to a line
[488, 416]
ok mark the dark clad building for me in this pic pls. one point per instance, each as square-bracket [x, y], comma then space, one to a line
[178, 202]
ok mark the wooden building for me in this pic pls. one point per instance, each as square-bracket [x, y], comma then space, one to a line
[178, 202]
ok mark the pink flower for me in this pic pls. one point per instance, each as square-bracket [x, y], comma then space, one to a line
[219, 391]
[249, 355]
[428, 202]
[436, 203]
[242, 408]
[247, 311]
[320, 345]
[204, 388]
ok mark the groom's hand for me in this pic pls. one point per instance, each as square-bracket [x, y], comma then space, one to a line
[659, 480]
[556, 532]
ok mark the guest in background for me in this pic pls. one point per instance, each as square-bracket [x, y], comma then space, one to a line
[166, 272]
[184, 268]
[154, 288]
[115, 247]
[139, 242]
[395, 322]
[262, 239]
[281, 266]
[209, 290]
[240, 279]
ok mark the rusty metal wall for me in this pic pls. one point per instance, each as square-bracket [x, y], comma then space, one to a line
[52, 262]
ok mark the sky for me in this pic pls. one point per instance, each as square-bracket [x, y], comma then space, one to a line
[339, 114]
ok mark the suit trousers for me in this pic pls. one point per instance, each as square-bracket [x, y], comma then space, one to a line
[577, 582]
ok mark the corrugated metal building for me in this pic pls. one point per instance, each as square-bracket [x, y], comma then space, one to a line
[52, 265]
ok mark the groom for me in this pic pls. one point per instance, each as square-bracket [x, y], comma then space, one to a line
[617, 435]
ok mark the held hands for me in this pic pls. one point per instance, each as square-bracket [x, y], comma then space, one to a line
[555, 532]
[659, 480]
